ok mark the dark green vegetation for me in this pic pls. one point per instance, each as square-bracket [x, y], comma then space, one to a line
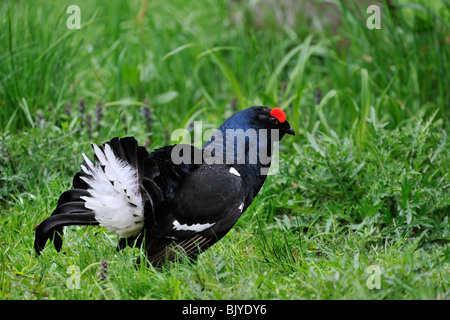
[365, 182]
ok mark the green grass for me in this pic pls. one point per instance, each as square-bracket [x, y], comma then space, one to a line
[365, 182]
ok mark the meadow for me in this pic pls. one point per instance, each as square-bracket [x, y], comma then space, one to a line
[359, 208]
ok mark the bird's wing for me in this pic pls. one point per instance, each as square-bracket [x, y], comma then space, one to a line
[205, 207]
[160, 179]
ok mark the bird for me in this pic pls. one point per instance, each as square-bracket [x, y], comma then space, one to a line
[175, 201]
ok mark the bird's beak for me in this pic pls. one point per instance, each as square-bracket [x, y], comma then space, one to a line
[290, 131]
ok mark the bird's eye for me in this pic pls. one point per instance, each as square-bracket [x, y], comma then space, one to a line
[274, 120]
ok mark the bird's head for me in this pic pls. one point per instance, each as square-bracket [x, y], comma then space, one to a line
[271, 119]
[248, 135]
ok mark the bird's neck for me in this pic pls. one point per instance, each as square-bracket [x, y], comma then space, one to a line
[249, 151]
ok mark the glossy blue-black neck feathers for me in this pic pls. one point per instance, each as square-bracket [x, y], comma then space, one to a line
[245, 143]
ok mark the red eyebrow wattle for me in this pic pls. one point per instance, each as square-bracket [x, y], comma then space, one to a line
[279, 114]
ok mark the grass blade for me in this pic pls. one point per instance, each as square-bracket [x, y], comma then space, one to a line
[364, 108]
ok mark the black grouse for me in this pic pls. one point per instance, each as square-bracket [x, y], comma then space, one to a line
[177, 198]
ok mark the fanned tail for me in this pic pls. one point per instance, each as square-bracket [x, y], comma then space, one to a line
[106, 192]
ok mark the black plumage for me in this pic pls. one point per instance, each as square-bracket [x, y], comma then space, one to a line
[170, 206]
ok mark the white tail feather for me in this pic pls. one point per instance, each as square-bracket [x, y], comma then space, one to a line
[114, 193]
